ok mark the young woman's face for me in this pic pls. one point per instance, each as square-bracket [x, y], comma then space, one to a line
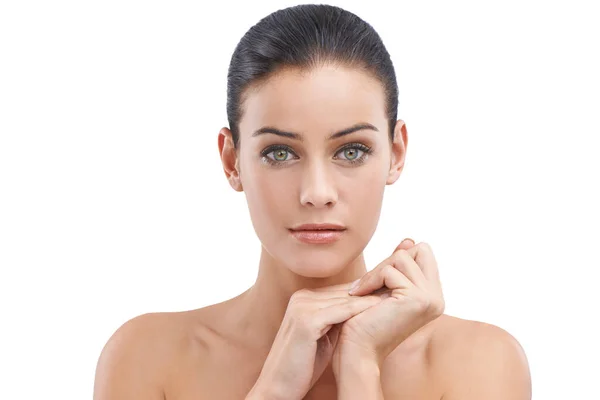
[289, 182]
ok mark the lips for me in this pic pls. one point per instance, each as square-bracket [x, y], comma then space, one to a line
[317, 236]
[319, 227]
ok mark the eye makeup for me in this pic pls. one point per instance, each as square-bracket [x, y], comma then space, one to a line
[285, 150]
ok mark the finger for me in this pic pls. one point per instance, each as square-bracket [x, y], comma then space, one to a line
[323, 294]
[333, 288]
[392, 260]
[324, 303]
[405, 245]
[337, 313]
[423, 256]
[382, 276]
[403, 261]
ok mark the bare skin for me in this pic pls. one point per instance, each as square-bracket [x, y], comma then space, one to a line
[218, 351]
[206, 355]
[408, 372]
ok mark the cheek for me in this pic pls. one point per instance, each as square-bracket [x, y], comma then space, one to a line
[273, 190]
[364, 200]
[365, 188]
[269, 199]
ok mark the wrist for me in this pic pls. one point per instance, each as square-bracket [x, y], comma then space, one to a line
[356, 364]
[359, 378]
[350, 353]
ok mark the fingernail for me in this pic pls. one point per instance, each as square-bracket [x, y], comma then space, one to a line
[410, 240]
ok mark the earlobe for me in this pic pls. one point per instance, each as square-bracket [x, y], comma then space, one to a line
[236, 184]
[236, 180]
[229, 159]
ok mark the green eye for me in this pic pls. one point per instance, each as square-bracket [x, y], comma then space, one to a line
[350, 151]
[278, 154]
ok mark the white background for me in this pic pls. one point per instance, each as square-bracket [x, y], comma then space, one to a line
[113, 200]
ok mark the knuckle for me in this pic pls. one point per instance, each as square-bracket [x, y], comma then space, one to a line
[300, 295]
[401, 254]
[421, 302]
[297, 304]
[441, 306]
[311, 323]
[426, 304]
[424, 246]
[434, 306]
[399, 265]
[387, 268]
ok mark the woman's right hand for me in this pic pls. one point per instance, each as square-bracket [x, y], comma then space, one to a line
[306, 339]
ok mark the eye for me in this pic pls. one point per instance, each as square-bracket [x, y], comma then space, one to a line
[280, 154]
[350, 150]
[350, 153]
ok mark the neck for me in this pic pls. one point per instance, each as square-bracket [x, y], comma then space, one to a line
[262, 307]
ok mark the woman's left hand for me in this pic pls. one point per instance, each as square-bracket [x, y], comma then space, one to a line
[415, 299]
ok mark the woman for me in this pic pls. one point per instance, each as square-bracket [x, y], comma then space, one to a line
[313, 141]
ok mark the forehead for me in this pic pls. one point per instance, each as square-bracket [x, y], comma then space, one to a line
[323, 99]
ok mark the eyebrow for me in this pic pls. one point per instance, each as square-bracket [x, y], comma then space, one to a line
[298, 136]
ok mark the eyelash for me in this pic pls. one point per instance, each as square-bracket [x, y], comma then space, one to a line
[366, 152]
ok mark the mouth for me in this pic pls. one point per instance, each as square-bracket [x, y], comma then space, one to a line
[317, 230]
[319, 227]
[317, 236]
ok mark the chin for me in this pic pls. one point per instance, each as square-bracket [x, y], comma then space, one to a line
[315, 266]
[315, 272]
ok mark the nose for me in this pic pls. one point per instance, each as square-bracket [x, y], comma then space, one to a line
[318, 188]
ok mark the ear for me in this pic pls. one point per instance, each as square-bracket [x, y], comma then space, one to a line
[230, 159]
[397, 152]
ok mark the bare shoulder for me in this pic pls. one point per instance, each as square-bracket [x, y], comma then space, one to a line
[479, 360]
[136, 358]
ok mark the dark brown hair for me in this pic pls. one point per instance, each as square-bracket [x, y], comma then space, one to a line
[306, 36]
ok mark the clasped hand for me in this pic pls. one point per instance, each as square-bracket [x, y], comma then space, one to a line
[412, 299]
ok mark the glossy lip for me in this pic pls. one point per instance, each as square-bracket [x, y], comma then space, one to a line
[317, 236]
[316, 227]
